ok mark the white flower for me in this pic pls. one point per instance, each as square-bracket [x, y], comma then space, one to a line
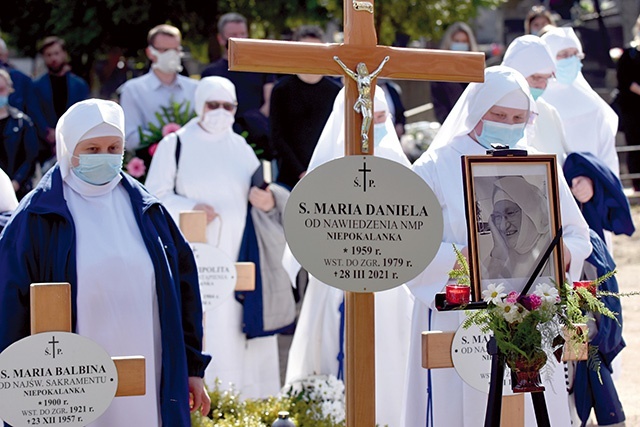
[326, 390]
[547, 293]
[333, 409]
[509, 311]
[494, 293]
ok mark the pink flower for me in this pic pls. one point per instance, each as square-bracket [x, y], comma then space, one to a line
[170, 127]
[152, 149]
[512, 298]
[136, 167]
[531, 302]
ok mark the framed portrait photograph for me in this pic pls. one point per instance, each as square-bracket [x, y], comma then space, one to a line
[513, 215]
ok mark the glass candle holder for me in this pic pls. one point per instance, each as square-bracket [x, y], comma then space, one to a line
[587, 284]
[457, 294]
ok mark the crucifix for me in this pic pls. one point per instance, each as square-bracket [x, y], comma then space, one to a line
[193, 225]
[359, 52]
[51, 311]
[57, 377]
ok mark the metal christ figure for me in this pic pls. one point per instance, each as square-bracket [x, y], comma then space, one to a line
[364, 103]
[363, 5]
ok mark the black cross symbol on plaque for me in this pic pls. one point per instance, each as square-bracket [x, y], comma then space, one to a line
[53, 343]
[364, 171]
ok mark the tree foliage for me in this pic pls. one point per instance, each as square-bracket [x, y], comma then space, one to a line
[398, 21]
[90, 27]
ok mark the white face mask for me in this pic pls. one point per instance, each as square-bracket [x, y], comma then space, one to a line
[167, 61]
[217, 121]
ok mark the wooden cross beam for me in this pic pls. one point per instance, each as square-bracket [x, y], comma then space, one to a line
[193, 225]
[360, 46]
[51, 311]
[436, 354]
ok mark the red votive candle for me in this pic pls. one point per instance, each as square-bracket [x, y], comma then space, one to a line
[587, 284]
[457, 294]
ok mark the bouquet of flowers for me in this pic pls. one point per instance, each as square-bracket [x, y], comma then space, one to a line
[169, 119]
[530, 328]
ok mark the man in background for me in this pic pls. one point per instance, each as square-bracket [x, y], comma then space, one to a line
[300, 106]
[142, 97]
[56, 91]
[253, 89]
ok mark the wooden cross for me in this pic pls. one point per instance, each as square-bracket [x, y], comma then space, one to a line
[360, 46]
[193, 225]
[51, 311]
[436, 354]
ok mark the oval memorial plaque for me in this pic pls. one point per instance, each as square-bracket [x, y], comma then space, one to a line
[216, 273]
[55, 378]
[472, 361]
[363, 223]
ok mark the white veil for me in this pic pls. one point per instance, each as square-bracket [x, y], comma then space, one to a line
[577, 98]
[477, 99]
[529, 55]
[86, 119]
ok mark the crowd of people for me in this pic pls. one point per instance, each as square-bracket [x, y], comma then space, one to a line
[70, 214]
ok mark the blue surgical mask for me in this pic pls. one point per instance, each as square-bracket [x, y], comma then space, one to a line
[460, 46]
[500, 133]
[567, 69]
[379, 132]
[4, 100]
[98, 169]
[536, 92]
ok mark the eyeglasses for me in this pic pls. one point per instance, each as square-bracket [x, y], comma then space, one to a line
[214, 105]
[540, 78]
[164, 49]
[565, 55]
[497, 218]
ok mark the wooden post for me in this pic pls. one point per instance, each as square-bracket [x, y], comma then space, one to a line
[51, 311]
[360, 45]
[193, 225]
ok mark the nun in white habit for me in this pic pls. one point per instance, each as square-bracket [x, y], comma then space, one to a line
[214, 175]
[590, 124]
[316, 348]
[8, 200]
[495, 111]
[531, 56]
[89, 224]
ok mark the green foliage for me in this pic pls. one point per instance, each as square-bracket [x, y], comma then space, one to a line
[229, 410]
[270, 19]
[175, 112]
[417, 18]
[531, 326]
[461, 272]
[90, 27]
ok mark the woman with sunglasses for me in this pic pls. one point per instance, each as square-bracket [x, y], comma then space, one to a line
[212, 173]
